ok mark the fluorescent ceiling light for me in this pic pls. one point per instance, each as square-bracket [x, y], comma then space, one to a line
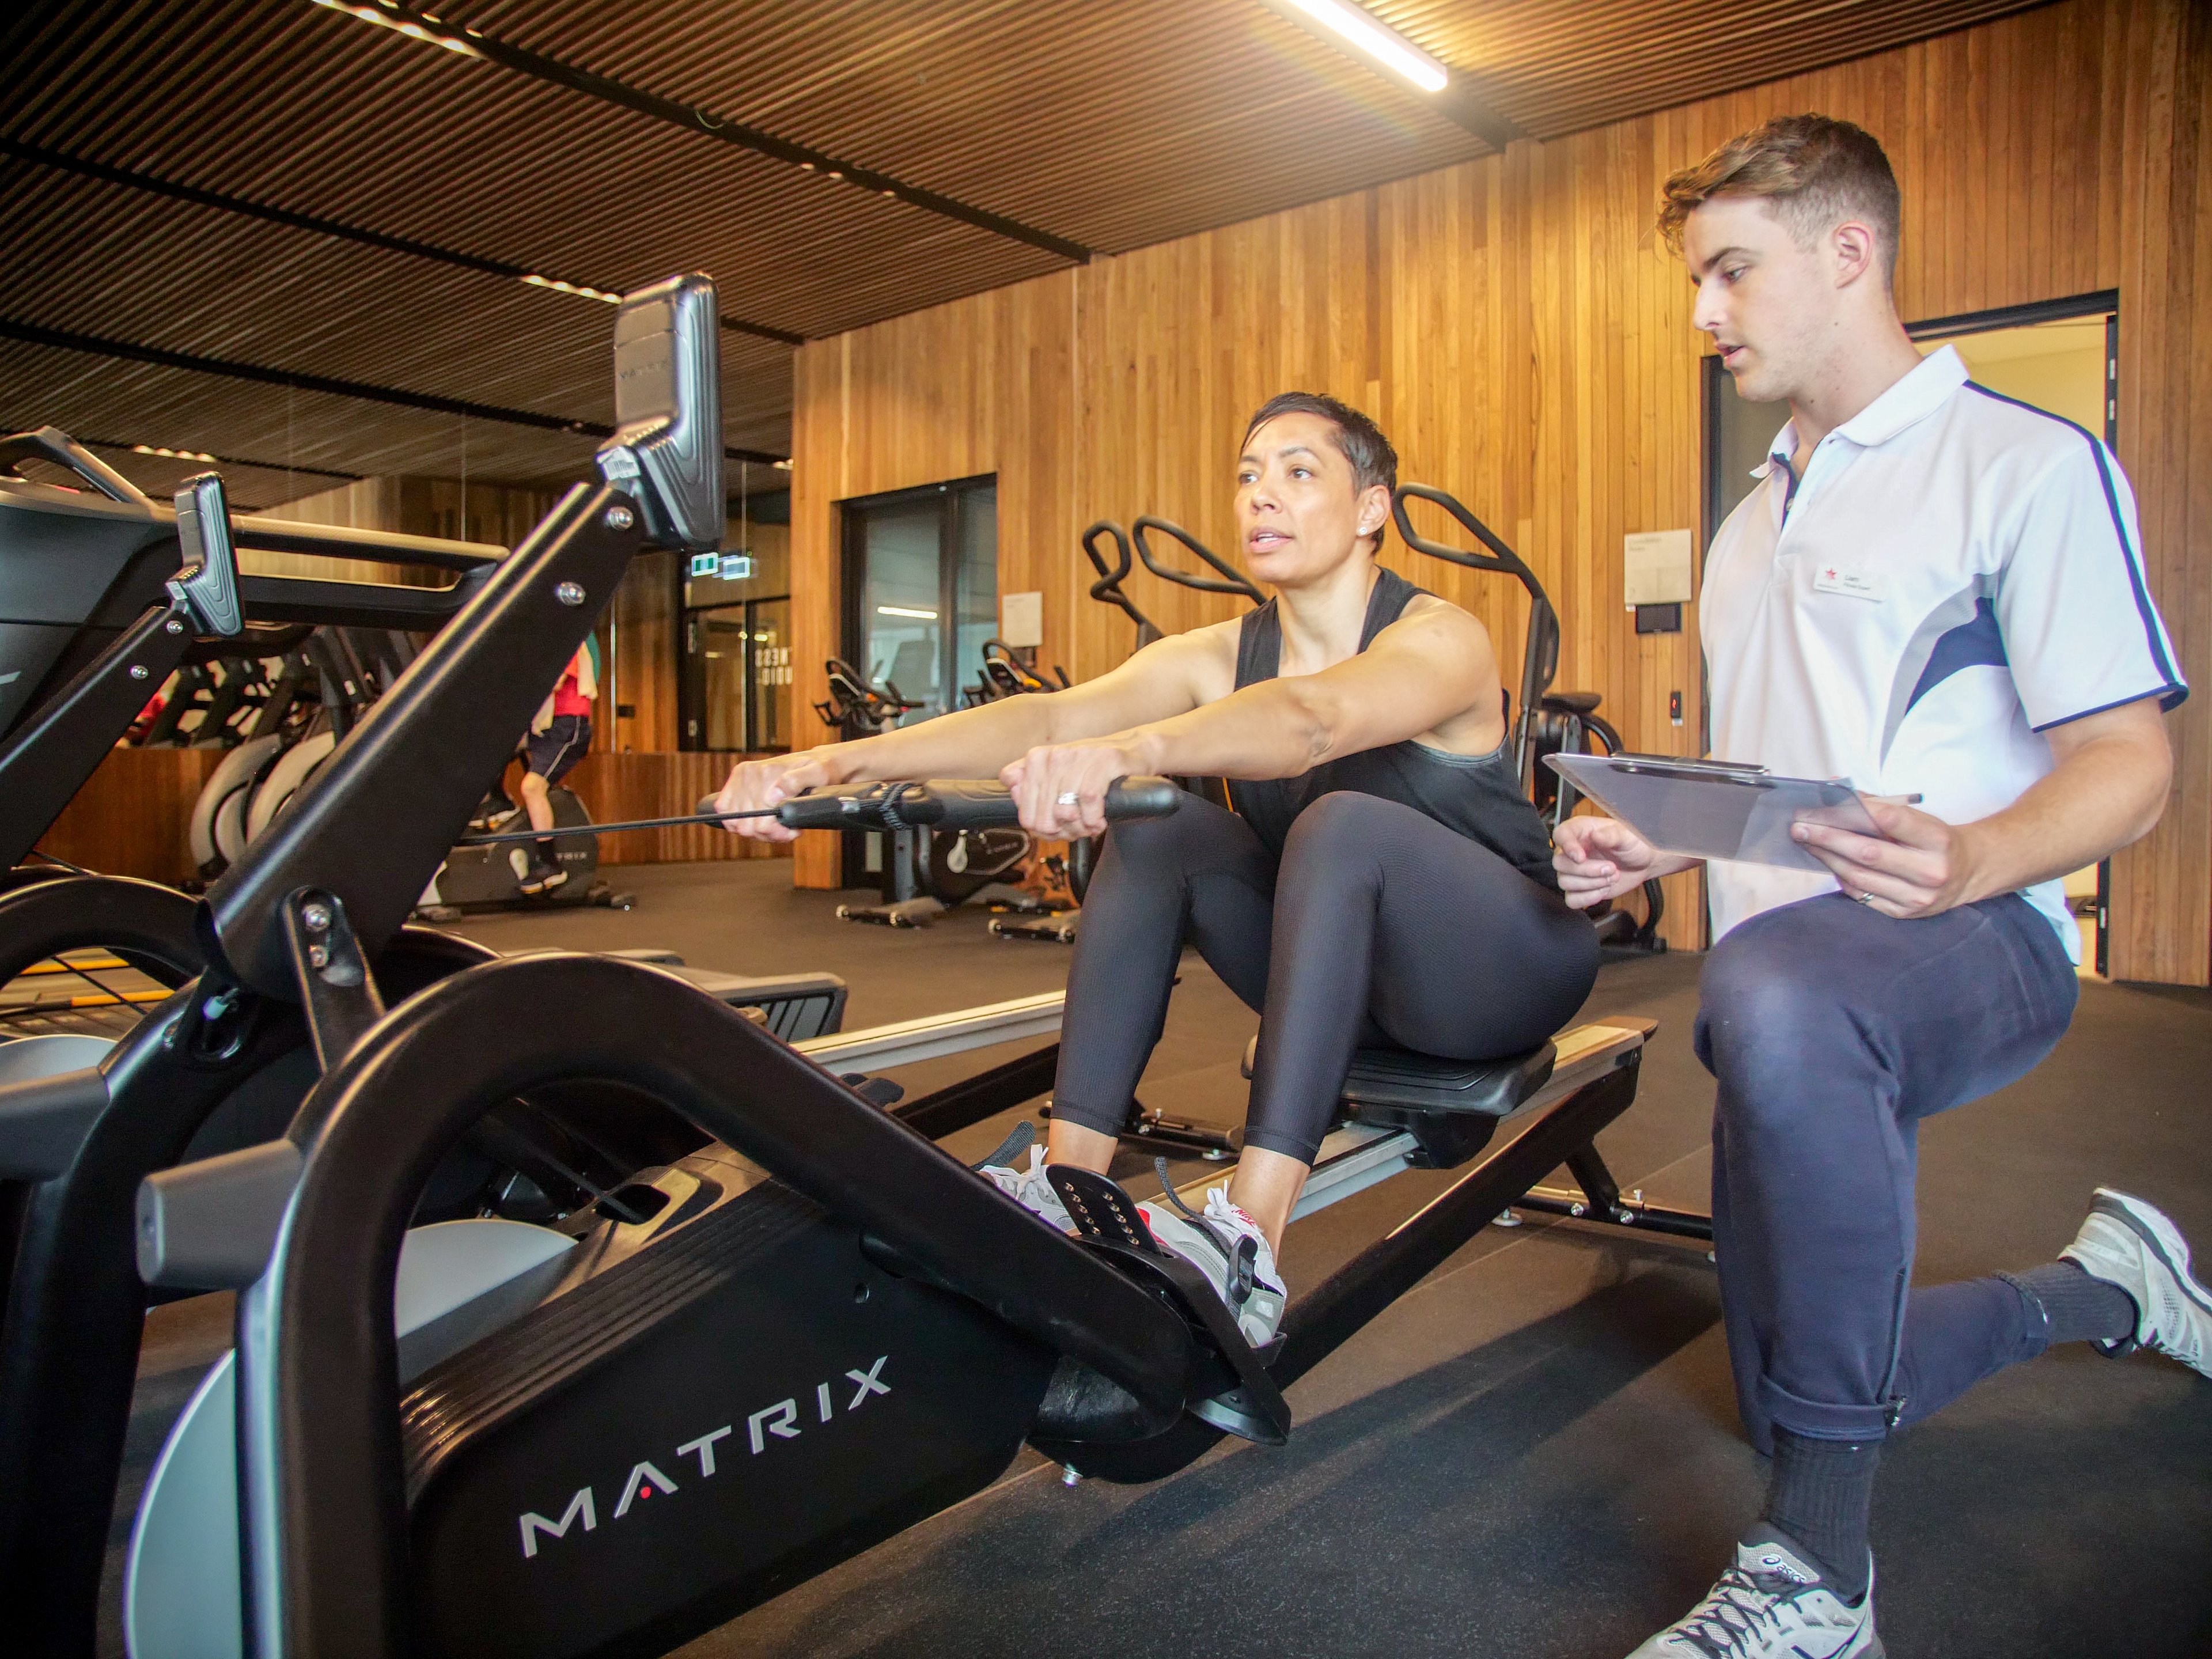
[406, 26]
[902, 611]
[1370, 37]
[173, 455]
[783, 465]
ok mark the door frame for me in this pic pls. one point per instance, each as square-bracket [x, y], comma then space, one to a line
[853, 556]
[692, 674]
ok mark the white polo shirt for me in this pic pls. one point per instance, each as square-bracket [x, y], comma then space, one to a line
[1956, 573]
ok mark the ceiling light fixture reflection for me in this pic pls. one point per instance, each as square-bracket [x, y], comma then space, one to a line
[408, 27]
[1371, 38]
[171, 454]
[556, 284]
[903, 610]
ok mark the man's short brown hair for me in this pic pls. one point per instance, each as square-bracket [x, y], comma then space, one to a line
[1815, 172]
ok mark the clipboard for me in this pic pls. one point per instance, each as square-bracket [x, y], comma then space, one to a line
[1715, 809]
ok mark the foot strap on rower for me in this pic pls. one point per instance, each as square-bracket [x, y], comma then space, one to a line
[1108, 1217]
[1023, 1138]
[1241, 1250]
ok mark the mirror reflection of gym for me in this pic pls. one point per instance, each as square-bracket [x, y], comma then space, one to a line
[2068, 365]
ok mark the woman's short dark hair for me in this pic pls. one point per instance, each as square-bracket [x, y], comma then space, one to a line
[1358, 437]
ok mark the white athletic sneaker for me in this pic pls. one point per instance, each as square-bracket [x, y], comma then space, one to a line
[1031, 1188]
[1769, 1605]
[1227, 1246]
[2132, 1244]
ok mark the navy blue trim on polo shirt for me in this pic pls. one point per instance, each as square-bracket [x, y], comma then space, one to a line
[1976, 644]
[2144, 608]
[2172, 694]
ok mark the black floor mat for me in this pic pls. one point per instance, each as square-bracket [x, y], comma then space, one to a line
[1535, 1453]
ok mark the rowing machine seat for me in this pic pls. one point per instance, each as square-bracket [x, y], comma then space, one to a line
[1570, 702]
[1402, 1080]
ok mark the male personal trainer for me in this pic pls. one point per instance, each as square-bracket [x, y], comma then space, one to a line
[1933, 591]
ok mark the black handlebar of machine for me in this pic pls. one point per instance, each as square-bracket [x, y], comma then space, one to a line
[930, 804]
[50, 443]
[1233, 581]
[945, 804]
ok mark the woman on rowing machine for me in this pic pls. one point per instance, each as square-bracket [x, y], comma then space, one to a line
[1381, 882]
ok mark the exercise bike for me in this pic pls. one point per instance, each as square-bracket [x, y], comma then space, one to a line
[1007, 672]
[1547, 721]
[923, 871]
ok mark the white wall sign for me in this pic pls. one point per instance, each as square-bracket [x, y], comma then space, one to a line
[1656, 567]
[1021, 618]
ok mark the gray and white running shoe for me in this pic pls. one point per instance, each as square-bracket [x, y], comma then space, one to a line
[1769, 1605]
[2134, 1245]
[1031, 1188]
[1227, 1246]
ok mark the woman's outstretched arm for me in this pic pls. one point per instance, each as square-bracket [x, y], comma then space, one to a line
[1166, 678]
[1424, 672]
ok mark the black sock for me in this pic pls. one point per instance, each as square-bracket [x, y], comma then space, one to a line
[545, 853]
[2076, 1305]
[1820, 1494]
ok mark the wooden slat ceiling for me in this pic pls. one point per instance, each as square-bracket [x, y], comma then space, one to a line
[1106, 123]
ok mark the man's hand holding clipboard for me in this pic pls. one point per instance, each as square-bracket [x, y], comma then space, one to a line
[1671, 814]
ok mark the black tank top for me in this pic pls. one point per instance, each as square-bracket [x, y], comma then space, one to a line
[1477, 796]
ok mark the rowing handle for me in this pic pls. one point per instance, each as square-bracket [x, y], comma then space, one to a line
[951, 803]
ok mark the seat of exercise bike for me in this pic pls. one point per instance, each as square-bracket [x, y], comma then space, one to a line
[1406, 1080]
[1570, 702]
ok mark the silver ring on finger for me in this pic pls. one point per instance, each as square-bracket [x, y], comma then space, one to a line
[1071, 798]
[1863, 898]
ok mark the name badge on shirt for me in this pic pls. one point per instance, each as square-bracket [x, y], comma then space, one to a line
[1854, 584]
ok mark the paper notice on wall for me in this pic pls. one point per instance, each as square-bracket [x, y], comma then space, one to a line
[1021, 619]
[1658, 568]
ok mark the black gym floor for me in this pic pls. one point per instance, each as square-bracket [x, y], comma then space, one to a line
[1536, 1452]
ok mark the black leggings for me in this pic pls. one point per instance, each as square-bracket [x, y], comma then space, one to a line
[1394, 931]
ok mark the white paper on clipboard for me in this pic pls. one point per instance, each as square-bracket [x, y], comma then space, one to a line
[1715, 812]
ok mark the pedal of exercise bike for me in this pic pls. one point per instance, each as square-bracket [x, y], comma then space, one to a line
[1108, 1219]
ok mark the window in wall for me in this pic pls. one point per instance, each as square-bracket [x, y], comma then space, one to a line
[921, 589]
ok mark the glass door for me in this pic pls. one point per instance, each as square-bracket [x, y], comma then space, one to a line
[737, 675]
[921, 589]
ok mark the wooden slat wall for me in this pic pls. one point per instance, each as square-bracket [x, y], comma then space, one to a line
[644, 656]
[130, 818]
[1514, 326]
[132, 815]
[625, 786]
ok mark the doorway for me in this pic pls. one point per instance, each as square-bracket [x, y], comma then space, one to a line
[921, 589]
[2063, 355]
[734, 691]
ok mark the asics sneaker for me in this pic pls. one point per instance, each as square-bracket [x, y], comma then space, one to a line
[2132, 1244]
[1030, 1189]
[1769, 1605]
[1227, 1246]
